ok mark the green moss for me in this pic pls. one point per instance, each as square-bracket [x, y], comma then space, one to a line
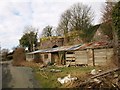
[43, 39]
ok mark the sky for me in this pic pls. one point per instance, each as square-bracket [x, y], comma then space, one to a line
[16, 14]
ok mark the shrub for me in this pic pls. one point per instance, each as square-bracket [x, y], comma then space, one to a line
[19, 56]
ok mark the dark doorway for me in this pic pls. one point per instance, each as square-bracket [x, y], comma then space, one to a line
[54, 46]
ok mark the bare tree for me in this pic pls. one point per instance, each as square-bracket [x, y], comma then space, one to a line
[116, 26]
[77, 18]
[63, 25]
[47, 31]
[107, 19]
[82, 17]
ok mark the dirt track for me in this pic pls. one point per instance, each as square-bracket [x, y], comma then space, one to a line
[19, 77]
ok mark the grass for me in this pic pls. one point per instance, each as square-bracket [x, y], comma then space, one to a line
[48, 79]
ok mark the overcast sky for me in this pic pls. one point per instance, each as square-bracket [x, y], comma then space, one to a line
[16, 14]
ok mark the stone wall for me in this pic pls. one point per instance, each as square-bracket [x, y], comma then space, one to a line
[51, 42]
[57, 41]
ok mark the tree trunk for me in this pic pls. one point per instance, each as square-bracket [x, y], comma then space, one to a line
[66, 40]
[116, 47]
[115, 44]
[119, 48]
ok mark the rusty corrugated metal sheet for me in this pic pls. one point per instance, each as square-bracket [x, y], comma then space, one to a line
[73, 48]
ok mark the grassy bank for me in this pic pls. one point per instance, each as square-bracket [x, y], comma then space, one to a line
[48, 79]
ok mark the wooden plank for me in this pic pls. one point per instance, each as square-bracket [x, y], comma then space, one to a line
[109, 54]
[99, 49]
[70, 58]
[81, 62]
[82, 59]
[100, 61]
[84, 62]
[79, 57]
[80, 52]
[70, 55]
[100, 54]
[72, 63]
[98, 57]
[109, 49]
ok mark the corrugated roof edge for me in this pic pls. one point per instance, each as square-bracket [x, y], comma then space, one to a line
[74, 47]
[62, 48]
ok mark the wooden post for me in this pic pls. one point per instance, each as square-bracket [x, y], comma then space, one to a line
[88, 51]
[93, 57]
[65, 58]
[119, 52]
[106, 54]
[116, 49]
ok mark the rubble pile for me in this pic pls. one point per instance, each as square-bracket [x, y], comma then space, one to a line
[109, 79]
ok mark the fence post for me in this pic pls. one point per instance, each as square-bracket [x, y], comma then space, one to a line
[93, 56]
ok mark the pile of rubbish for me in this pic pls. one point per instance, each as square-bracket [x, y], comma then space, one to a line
[103, 80]
[66, 79]
[94, 72]
[99, 79]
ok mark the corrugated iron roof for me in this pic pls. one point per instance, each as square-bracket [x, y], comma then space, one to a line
[73, 48]
[57, 49]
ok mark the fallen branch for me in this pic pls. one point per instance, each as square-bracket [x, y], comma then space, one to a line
[45, 76]
[103, 74]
